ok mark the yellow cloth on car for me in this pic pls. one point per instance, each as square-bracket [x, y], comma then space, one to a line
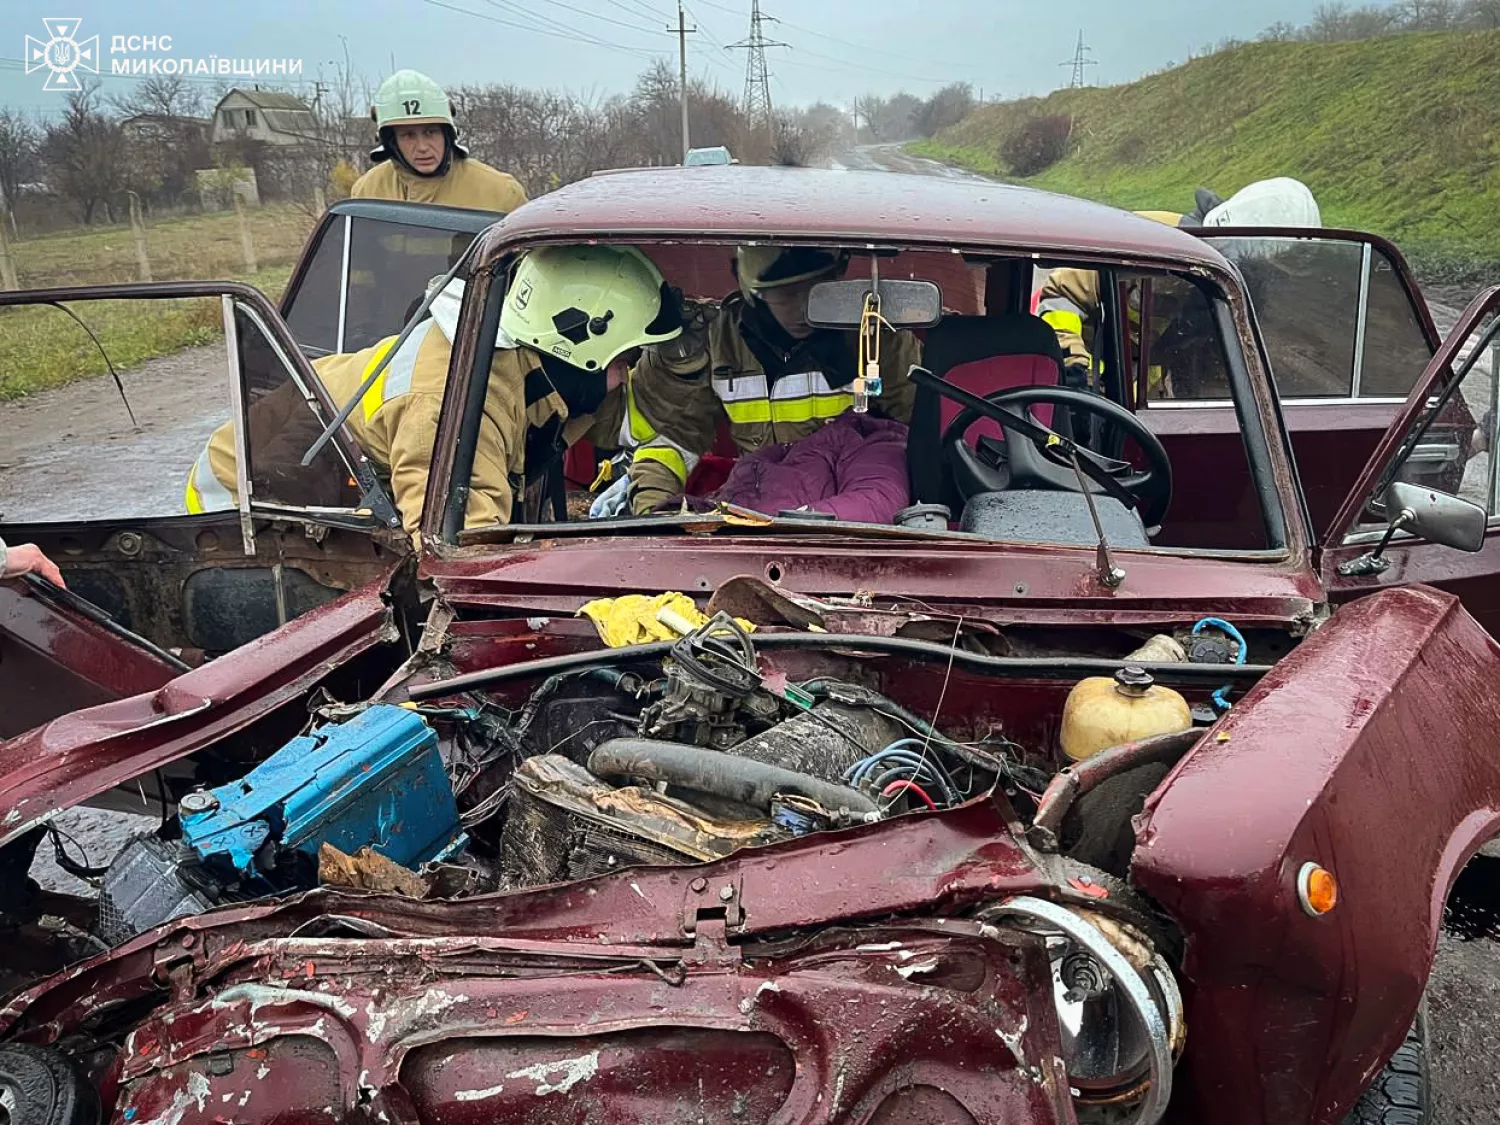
[632, 618]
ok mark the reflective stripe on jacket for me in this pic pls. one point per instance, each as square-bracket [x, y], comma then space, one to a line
[395, 424]
[670, 419]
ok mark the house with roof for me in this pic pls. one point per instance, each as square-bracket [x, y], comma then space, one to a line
[268, 116]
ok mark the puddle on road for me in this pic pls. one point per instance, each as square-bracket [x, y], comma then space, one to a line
[1473, 911]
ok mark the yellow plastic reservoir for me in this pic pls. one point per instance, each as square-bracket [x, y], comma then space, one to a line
[1103, 712]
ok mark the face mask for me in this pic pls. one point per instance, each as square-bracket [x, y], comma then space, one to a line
[583, 391]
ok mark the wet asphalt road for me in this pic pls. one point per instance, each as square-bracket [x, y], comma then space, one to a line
[178, 400]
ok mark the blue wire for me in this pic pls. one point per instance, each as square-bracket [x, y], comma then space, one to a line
[897, 752]
[1221, 697]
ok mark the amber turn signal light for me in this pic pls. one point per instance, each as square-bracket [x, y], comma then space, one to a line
[1317, 889]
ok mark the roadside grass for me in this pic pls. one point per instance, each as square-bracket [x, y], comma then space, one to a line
[41, 347]
[1394, 135]
[194, 248]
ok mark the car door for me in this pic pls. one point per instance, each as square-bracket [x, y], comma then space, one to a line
[1444, 439]
[1346, 331]
[95, 472]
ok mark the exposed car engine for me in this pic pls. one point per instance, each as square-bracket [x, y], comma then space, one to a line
[600, 769]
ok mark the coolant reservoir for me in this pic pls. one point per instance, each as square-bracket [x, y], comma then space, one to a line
[1103, 712]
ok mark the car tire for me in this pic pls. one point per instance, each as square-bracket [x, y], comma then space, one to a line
[1401, 1093]
[42, 1086]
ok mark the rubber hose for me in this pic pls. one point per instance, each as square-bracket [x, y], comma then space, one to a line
[724, 775]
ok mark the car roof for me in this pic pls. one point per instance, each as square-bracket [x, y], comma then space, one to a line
[743, 201]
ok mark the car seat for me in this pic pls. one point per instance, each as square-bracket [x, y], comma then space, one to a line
[981, 354]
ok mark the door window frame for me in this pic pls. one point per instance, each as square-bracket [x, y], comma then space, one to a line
[375, 507]
[338, 221]
[1369, 243]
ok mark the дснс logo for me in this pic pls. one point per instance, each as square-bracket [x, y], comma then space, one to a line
[62, 54]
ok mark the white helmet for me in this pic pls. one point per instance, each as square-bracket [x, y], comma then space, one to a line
[1280, 202]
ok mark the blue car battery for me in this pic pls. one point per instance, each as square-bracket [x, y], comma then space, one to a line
[376, 780]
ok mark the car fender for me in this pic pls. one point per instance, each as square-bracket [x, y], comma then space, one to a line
[1368, 750]
[79, 756]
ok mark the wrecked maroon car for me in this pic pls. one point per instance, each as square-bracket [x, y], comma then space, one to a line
[1109, 783]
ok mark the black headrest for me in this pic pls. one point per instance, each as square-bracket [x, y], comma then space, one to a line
[953, 342]
[957, 340]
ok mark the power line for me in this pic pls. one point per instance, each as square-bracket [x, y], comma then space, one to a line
[567, 34]
[644, 9]
[861, 50]
[596, 16]
[548, 23]
[875, 69]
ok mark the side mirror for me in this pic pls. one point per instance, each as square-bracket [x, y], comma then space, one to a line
[1436, 516]
[1428, 514]
[904, 304]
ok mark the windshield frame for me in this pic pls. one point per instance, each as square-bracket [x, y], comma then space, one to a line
[1266, 448]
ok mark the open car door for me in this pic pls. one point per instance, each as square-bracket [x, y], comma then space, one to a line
[1347, 332]
[97, 477]
[152, 586]
[1444, 441]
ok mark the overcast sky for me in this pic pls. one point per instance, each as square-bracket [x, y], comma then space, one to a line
[839, 48]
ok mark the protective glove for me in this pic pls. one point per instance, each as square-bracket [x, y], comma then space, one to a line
[612, 501]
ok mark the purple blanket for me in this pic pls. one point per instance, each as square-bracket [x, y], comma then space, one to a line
[854, 467]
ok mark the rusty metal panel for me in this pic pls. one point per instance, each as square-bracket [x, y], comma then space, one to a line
[828, 1030]
[80, 755]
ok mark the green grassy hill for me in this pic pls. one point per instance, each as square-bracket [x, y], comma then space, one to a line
[1399, 135]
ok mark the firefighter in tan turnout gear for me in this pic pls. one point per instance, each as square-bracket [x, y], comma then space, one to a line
[755, 364]
[1069, 299]
[573, 318]
[419, 158]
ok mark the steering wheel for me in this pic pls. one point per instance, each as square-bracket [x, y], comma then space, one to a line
[1026, 462]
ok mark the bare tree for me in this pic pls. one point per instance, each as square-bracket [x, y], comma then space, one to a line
[1426, 15]
[1279, 32]
[19, 142]
[84, 154]
[166, 137]
[163, 95]
[1482, 13]
[947, 107]
[1330, 23]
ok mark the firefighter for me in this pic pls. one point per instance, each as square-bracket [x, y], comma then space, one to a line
[419, 158]
[1069, 298]
[573, 318]
[27, 558]
[753, 364]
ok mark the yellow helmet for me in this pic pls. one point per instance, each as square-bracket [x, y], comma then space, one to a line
[588, 305]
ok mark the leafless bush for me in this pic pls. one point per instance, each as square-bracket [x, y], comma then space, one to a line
[1037, 145]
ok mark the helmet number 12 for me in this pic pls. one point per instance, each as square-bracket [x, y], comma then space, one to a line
[412, 107]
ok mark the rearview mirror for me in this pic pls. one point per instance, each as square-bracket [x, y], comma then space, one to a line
[1436, 516]
[903, 304]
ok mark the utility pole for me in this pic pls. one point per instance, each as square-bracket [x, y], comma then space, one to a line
[757, 75]
[683, 31]
[1080, 62]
